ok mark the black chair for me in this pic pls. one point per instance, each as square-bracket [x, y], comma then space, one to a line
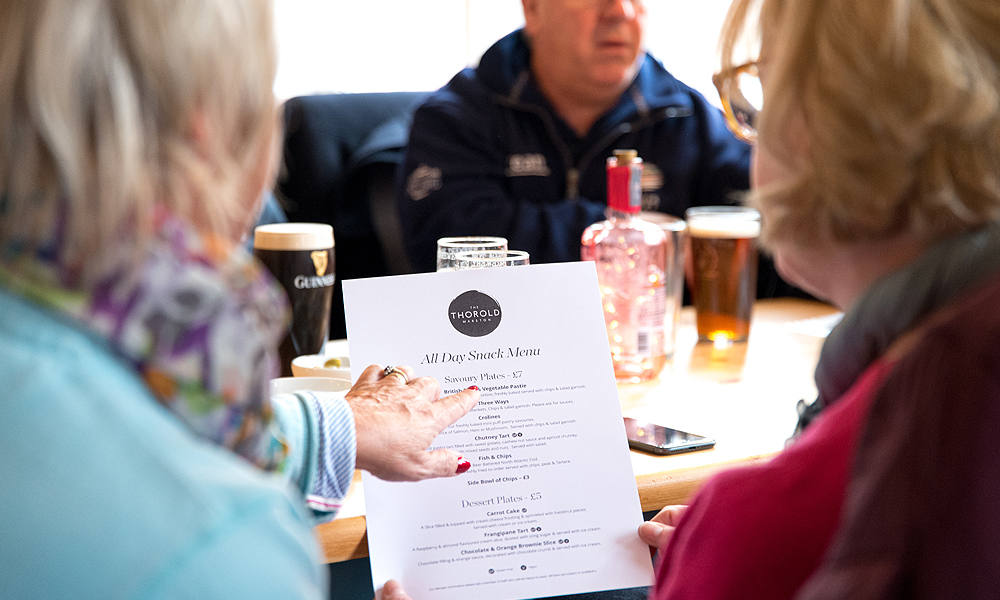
[341, 152]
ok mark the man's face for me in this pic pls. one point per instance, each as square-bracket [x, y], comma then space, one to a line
[595, 42]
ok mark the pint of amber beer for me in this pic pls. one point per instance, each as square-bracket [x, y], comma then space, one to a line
[724, 257]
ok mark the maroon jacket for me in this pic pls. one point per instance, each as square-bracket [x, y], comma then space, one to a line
[922, 517]
[760, 531]
[894, 492]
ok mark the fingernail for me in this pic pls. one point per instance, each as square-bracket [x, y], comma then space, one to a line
[474, 387]
[463, 466]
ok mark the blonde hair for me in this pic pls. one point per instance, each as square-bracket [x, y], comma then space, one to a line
[100, 103]
[899, 101]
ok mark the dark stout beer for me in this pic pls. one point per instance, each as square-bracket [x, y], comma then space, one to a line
[300, 256]
[724, 253]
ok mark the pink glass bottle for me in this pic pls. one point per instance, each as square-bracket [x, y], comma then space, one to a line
[631, 257]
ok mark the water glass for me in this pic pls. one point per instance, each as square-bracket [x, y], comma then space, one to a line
[448, 247]
[673, 273]
[488, 259]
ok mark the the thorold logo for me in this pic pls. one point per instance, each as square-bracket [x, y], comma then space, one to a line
[320, 260]
[527, 165]
[474, 314]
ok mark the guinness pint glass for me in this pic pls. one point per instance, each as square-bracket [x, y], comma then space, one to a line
[724, 257]
[300, 256]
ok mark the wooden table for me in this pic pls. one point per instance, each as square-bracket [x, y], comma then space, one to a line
[743, 395]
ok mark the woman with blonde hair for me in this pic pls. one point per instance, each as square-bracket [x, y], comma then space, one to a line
[137, 337]
[876, 170]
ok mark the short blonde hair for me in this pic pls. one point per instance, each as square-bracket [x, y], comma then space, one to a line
[98, 101]
[900, 103]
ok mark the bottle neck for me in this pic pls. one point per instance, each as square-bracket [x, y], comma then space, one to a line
[617, 214]
[624, 187]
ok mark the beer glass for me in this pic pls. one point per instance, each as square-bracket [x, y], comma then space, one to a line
[448, 247]
[300, 256]
[488, 259]
[724, 257]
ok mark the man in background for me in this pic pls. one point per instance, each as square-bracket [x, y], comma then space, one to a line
[517, 146]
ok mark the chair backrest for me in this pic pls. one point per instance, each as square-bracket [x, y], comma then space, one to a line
[341, 153]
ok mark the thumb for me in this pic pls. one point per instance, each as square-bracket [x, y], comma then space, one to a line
[392, 590]
[655, 534]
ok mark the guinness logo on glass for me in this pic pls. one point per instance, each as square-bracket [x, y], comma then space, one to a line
[320, 260]
[474, 314]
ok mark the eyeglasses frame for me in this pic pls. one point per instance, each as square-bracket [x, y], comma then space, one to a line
[724, 82]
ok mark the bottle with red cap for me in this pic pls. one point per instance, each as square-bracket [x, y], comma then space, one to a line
[631, 257]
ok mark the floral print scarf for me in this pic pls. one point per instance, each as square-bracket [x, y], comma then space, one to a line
[200, 321]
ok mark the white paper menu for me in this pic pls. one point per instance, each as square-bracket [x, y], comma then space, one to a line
[550, 505]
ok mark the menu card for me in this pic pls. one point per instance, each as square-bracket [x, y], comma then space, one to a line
[550, 505]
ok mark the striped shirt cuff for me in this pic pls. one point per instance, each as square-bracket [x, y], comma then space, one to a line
[337, 450]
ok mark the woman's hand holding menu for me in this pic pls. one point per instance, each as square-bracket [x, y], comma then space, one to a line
[396, 421]
[657, 531]
[392, 590]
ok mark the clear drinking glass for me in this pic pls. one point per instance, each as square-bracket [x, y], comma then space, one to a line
[448, 247]
[487, 259]
[673, 273]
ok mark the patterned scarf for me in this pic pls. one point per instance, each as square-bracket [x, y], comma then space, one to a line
[199, 320]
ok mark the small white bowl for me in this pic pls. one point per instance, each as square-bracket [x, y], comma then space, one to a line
[311, 365]
[285, 385]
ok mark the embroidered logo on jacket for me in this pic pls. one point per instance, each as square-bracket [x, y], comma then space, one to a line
[422, 181]
[527, 165]
[652, 183]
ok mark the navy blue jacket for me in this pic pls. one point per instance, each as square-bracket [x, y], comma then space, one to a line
[488, 155]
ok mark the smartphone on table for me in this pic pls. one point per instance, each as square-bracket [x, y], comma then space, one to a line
[657, 439]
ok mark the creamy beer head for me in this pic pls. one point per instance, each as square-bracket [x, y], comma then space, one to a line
[293, 236]
[301, 258]
[723, 222]
[724, 257]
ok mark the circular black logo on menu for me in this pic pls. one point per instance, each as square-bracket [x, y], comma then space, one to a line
[474, 314]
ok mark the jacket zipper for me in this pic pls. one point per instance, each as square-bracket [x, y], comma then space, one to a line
[573, 172]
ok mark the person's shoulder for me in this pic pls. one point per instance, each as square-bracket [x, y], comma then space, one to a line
[969, 323]
[751, 532]
[107, 486]
[479, 87]
[463, 90]
[464, 108]
[660, 88]
[976, 312]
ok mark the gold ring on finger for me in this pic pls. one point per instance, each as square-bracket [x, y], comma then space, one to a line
[397, 372]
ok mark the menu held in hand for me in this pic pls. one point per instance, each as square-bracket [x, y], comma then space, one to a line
[550, 505]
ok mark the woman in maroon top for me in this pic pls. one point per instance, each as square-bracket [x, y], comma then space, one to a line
[877, 173]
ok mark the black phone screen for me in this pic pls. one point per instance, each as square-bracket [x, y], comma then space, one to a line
[663, 440]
